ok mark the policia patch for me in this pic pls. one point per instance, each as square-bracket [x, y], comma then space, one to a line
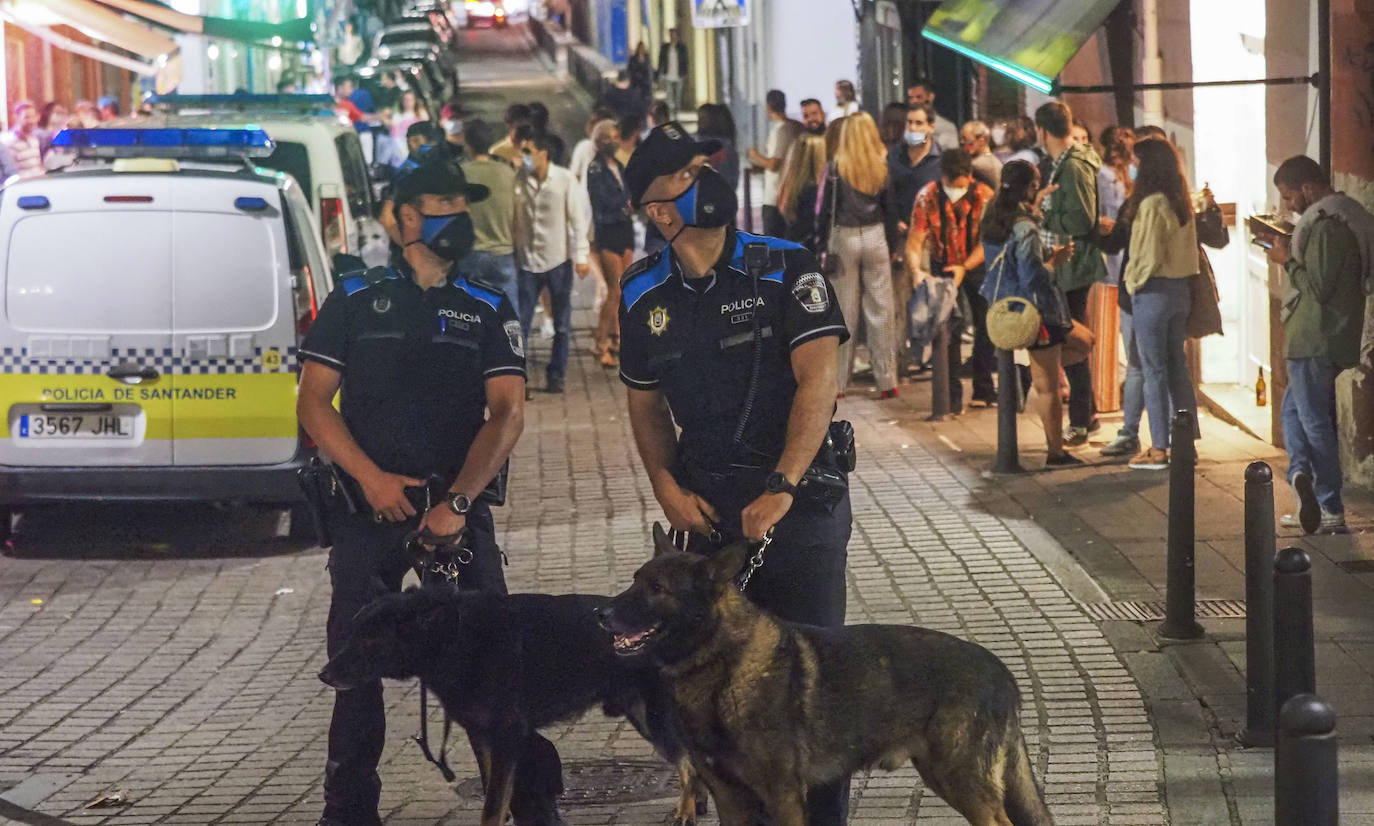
[810, 291]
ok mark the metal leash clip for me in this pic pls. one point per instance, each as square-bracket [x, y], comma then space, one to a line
[447, 559]
[755, 561]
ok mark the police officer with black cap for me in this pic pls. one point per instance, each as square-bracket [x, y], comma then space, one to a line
[431, 370]
[734, 337]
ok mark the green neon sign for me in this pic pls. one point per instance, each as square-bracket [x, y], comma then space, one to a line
[1035, 80]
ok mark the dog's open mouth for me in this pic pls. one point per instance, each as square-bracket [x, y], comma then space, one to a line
[633, 643]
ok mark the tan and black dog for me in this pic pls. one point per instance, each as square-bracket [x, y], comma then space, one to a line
[767, 708]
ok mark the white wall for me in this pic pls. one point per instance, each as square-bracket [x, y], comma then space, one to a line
[810, 45]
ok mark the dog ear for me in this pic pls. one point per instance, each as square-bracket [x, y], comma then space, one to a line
[728, 562]
[662, 544]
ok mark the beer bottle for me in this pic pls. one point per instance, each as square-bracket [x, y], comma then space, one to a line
[1261, 391]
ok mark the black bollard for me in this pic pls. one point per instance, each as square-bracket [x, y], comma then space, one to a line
[939, 374]
[1306, 775]
[1295, 663]
[1008, 389]
[748, 200]
[1180, 598]
[1259, 606]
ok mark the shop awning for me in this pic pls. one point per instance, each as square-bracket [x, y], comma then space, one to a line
[246, 31]
[1027, 40]
[96, 22]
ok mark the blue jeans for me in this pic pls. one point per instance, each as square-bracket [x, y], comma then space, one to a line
[1309, 428]
[493, 269]
[1133, 388]
[1160, 313]
[559, 280]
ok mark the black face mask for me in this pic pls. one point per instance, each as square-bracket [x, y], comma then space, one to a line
[708, 203]
[449, 236]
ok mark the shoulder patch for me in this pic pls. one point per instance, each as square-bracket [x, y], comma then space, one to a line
[642, 276]
[357, 281]
[485, 294]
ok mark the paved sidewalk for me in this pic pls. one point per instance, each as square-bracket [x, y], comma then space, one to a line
[1113, 521]
[189, 682]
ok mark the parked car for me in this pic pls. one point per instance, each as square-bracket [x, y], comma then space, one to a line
[158, 362]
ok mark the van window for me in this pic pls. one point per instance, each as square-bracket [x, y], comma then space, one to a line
[118, 279]
[227, 266]
[292, 159]
[356, 182]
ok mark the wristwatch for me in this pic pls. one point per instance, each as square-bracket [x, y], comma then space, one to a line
[459, 503]
[777, 483]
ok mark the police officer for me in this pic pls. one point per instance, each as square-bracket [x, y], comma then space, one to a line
[432, 372]
[691, 318]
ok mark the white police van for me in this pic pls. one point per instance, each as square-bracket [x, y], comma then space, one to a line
[155, 291]
[321, 150]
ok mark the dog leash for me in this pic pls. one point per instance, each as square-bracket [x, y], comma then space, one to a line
[428, 564]
[755, 561]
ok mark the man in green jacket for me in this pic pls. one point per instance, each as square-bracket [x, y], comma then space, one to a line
[1070, 213]
[1323, 317]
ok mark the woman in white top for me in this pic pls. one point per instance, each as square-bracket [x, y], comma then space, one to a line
[408, 112]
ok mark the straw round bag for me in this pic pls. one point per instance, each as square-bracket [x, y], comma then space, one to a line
[1013, 322]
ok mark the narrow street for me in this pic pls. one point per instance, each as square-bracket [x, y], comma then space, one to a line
[170, 655]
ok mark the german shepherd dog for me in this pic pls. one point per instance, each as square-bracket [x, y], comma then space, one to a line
[504, 666]
[768, 708]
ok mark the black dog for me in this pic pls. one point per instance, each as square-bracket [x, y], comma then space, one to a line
[504, 666]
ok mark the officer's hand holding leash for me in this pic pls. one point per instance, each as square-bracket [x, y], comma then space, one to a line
[441, 520]
[759, 517]
[685, 510]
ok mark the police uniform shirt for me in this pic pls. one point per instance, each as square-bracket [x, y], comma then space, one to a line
[693, 340]
[415, 364]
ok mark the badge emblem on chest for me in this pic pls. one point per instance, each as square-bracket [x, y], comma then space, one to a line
[381, 304]
[658, 320]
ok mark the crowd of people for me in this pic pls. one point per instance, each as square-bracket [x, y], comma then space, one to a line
[25, 146]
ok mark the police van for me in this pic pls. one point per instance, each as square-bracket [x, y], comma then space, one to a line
[321, 150]
[155, 293]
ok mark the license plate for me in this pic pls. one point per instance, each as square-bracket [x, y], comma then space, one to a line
[76, 426]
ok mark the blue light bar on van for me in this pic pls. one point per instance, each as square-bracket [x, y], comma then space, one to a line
[165, 142]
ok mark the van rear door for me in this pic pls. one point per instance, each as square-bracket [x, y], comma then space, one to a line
[232, 325]
[88, 370]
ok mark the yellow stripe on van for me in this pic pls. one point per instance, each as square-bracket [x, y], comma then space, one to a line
[236, 406]
[20, 388]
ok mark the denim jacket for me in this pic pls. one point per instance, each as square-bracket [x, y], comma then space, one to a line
[1022, 273]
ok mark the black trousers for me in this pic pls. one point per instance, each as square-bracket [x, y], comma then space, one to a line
[1082, 405]
[802, 578]
[983, 361]
[367, 560]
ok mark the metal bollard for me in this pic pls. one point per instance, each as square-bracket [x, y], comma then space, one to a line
[748, 199]
[1295, 663]
[1259, 606]
[939, 375]
[1180, 597]
[1306, 774]
[1008, 454]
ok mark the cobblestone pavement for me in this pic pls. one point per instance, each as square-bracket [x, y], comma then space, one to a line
[173, 656]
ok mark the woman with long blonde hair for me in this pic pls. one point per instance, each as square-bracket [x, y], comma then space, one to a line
[801, 174]
[858, 222]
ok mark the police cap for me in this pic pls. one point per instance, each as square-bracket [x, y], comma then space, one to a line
[437, 175]
[667, 149]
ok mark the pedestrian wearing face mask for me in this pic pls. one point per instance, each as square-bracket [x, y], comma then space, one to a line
[551, 226]
[428, 366]
[915, 162]
[691, 317]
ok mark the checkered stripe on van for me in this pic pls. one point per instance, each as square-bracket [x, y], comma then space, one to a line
[16, 360]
